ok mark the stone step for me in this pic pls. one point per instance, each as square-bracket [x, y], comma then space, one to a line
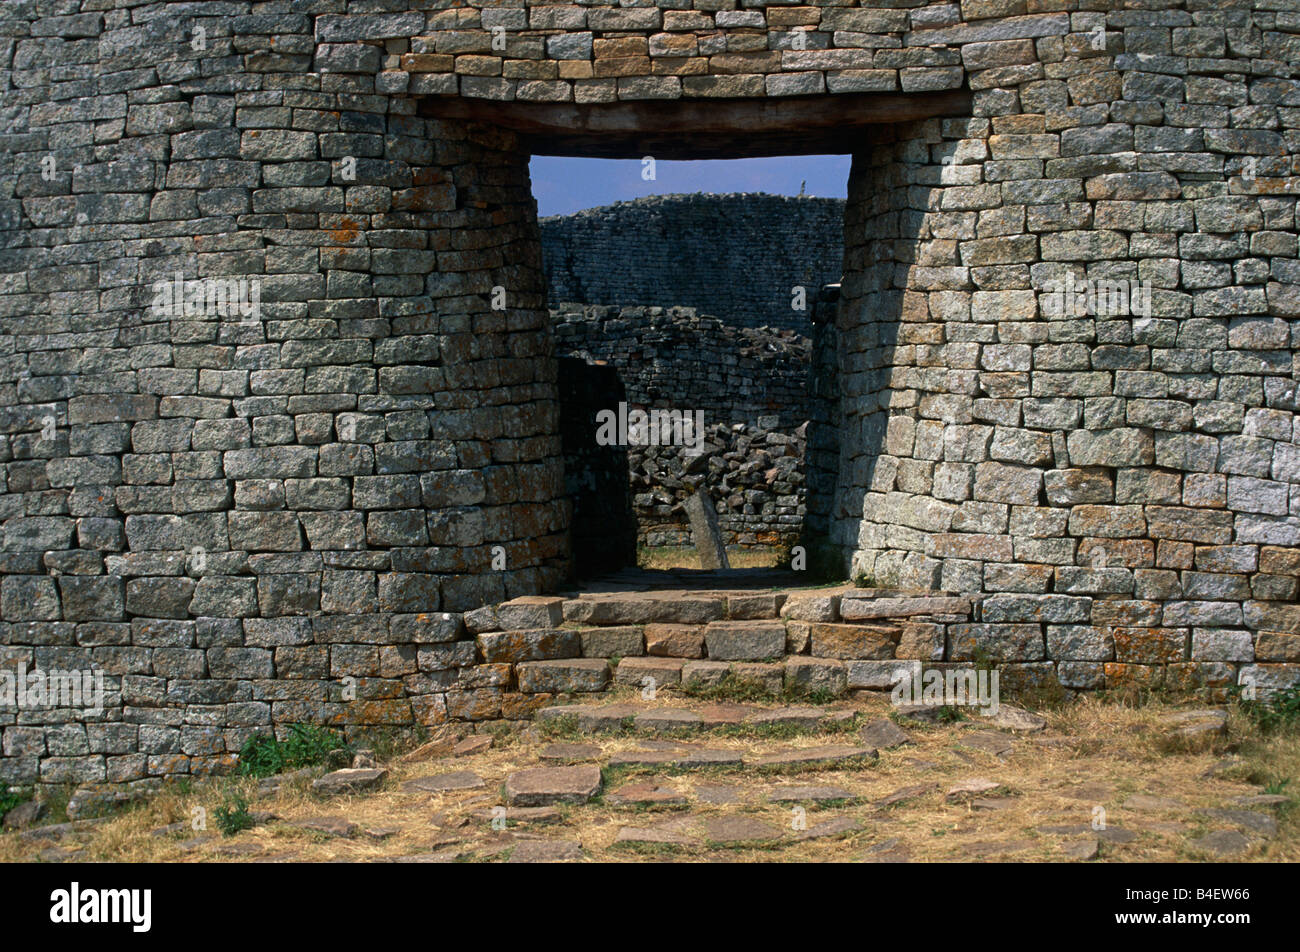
[795, 760]
[633, 610]
[831, 755]
[592, 718]
[796, 674]
[854, 607]
[817, 643]
[547, 786]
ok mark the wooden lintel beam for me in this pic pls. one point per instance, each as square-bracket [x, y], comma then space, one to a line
[693, 128]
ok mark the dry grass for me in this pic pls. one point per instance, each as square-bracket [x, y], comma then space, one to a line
[1095, 754]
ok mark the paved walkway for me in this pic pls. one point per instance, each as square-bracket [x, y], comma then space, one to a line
[622, 779]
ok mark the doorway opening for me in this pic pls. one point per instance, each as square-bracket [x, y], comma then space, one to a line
[684, 298]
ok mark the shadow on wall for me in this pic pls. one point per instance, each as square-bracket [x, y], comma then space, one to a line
[864, 345]
[604, 528]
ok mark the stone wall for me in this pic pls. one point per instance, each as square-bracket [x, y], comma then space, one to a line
[603, 529]
[752, 472]
[751, 385]
[251, 520]
[677, 358]
[737, 257]
[245, 521]
[822, 454]
[1124, 486]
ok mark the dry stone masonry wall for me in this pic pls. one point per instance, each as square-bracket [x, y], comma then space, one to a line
[752, 473]
[1121, 480]
[737, 257]
[249, 519]
[677, 358]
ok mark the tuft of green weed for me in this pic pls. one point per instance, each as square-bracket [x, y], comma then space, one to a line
[731, 688]
[1278, 788]
[566, 725]
[12, 798]
[390, 742]
[1273, 711]
[816, 696]
[264, 755]
[233, 816]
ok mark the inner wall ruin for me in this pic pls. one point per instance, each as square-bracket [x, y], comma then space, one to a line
[734, 257]
[239, 518]
[747, 388]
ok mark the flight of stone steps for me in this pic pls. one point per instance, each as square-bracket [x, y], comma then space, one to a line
[823, 642]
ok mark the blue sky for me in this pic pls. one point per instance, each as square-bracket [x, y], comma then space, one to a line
[563, 185]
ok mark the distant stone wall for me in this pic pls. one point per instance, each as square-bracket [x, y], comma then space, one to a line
[750, 383]
[676, 357]
[736, 256]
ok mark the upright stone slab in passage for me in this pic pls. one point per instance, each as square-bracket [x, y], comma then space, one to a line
[705, 532]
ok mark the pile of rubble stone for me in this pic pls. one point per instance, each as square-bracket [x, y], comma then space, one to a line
[753, 472]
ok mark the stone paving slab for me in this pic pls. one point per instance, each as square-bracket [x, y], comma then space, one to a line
[990, 742]
[643, 758]
[569, 753]
[739, 830]
[668, 719]
[1225, 843]
[829, 828]
[647, 793]
[724, 715]
[444, 783]
[810, 794]
[349, 780]
[546, 786]
[702, 759]
[972, 787]
[903, 794]
[546, 851]
[1260, 823]
[883, 734]
[592, 717]
[808, 718]
[513, 815]
[891, 850]
[649, 836]
[828, 755]
[1145, 802]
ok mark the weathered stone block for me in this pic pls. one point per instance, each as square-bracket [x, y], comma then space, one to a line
[805, 675]
[531, 611]
[560, 676]
[538, 644]
[853, 641]
[643, 671]
[744, 640]
[675, 641]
